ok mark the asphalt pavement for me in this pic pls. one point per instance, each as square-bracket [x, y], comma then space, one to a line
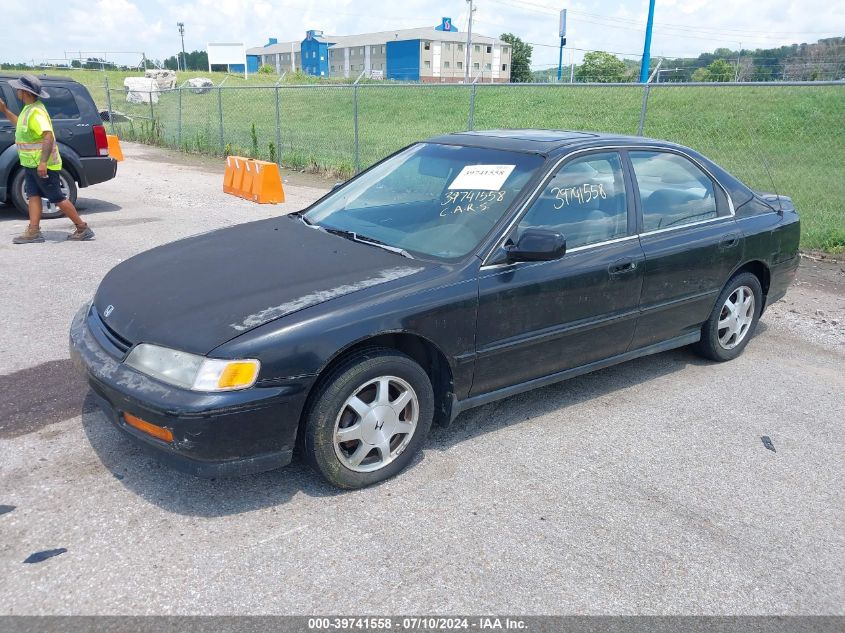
[668, 485]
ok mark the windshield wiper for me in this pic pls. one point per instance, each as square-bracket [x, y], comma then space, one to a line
[301, 216]
[352, 235]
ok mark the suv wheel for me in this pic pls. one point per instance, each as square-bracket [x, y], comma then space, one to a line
[369, 418]
[48, 209]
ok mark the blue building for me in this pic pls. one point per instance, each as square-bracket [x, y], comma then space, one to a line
[435, 54]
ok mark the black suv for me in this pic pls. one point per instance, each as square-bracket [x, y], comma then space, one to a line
[79, 132]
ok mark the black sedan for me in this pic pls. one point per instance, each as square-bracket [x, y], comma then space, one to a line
[458, 271]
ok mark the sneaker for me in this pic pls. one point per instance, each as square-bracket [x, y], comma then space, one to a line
[81, 234]
[32, 235]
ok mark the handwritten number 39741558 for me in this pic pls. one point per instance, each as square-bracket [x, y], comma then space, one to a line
[564, 196]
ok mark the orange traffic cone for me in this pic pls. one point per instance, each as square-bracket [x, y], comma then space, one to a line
[267, 185]
[114, 147]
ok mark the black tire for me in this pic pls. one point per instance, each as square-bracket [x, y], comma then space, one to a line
[710, 345]
[49, 211]
[327, 406]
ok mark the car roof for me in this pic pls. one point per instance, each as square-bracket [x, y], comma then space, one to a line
[537, 141]
[48, 78]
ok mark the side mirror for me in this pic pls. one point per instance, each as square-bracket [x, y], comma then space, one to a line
[536, 245]
[336, 185]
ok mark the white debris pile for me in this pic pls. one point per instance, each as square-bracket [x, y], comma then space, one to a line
[166, 79]
[200, 85]
[141, 89]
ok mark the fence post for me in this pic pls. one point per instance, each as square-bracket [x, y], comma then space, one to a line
[220, 113]
[108, 103]
[355, 116]
[278, 130]
[646, 90]
[179, 124]
[471, 119]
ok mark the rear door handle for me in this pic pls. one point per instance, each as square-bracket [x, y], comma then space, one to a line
[617, 269]
[729, 241]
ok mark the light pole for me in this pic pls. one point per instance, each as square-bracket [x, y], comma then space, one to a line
[562, 43]
[647, 44]
[181, 26]
[467, 57]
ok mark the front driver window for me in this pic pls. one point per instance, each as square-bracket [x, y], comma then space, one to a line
[673, 191]
[584, 201]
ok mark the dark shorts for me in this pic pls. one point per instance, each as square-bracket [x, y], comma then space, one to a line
[49, 187]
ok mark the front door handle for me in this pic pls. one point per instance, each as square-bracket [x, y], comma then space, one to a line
[617, 269]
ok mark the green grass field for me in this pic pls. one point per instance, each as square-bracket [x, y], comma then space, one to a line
[787, 138]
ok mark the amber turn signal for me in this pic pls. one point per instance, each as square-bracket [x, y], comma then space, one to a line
[148, 428]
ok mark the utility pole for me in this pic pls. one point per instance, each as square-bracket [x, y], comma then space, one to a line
[738, 61]
[181, 26]
[562, 43]
[468, 57]
[647, 46]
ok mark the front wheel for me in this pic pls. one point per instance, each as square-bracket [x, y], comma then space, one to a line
[369, 418]
[49, 210]
[734, 317]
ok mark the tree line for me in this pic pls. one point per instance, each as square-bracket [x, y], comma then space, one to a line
[822, 60]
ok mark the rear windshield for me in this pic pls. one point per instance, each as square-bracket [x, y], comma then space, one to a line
[432, 200]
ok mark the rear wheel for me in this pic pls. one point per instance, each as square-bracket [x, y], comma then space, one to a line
[369, 418]
[48, 209]
[733, 320]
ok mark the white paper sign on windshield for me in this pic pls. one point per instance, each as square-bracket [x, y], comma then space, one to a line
[485, 177]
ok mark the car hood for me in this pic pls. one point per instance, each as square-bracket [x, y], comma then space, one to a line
[198, 293]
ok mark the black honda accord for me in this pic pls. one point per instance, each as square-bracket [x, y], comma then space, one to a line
[460, 270]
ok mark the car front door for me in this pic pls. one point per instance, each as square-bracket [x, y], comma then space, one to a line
[690, 240]
[539, 318]
[7, 130]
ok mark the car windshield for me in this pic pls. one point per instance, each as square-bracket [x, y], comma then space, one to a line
[429, 200]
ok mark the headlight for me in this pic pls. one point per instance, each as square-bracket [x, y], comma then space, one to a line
[192, 371]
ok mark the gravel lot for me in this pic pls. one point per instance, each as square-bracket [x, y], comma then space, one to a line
[644, 488]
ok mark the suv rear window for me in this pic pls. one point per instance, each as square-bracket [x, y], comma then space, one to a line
[60, 104]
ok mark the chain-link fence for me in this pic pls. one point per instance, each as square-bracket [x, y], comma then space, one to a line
[784, 136]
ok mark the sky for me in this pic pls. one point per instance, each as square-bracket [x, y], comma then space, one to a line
[125, 28]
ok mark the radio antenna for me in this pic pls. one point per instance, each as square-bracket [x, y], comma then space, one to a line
[763, 160]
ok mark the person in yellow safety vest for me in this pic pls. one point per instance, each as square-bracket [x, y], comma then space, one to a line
[40, 160]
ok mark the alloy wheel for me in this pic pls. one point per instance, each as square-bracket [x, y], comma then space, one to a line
[736, 317]
[376, 424]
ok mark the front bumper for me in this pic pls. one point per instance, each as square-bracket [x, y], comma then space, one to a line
[214, 434]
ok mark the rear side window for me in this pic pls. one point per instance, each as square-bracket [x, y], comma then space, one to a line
[61, 103]
[673, 191]
[584, 201]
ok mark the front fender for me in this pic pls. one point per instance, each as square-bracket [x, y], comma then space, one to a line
[8, 164]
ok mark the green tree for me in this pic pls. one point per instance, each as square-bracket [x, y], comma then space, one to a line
[601, 67]
[520, 58]
[701, 74]
[721, 70]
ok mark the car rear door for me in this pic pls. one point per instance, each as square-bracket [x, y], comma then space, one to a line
[539, 318]
[690, 240]
[68, 123]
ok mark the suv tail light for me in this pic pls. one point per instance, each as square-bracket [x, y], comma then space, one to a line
[101, 140]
